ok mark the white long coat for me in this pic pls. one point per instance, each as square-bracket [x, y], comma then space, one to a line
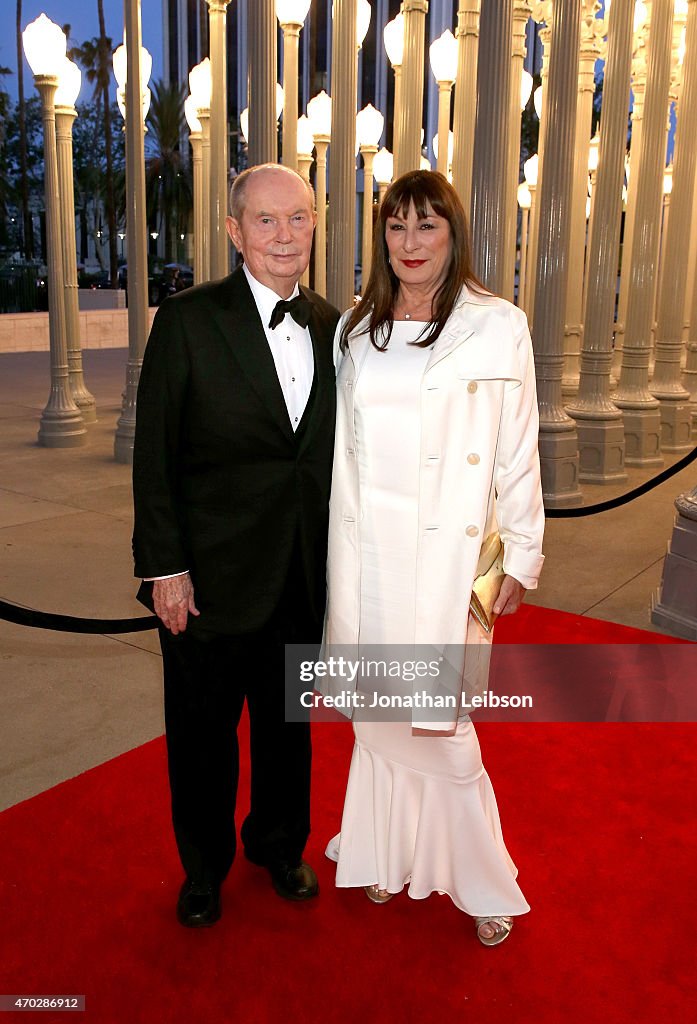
[479, 472]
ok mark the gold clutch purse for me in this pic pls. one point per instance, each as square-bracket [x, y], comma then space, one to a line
[487, 582]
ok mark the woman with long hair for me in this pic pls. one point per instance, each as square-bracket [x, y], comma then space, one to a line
[436, 450]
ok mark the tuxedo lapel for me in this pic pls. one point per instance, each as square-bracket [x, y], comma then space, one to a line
[238, 319]
[324, 377]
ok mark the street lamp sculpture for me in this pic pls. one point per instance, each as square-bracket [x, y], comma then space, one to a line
[218, 244]
[530, 171]
[132, 67]
[200, 87]
[195, 135]
[443, 55]
[69, 82]
[447, 168]
[393, 36]
[383, 170]
[369, 128]
[524, 201]
[319, 114]
[306, 144]
[291, 16]
[62, 424]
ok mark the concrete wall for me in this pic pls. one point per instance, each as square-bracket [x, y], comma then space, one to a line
[99, 328]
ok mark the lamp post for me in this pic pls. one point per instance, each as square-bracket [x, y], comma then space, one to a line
[137, 66]
[383, 169]
[291, 16]
[69, 82]
[195, 140]
[218, 240]
[342, 170]
[319, 114]
[200, 85]
[524, 200]
[465, 98]
[438, 153]
[530, 172]
[443, 56]
[369, 126]
[262, 141]
[305, 147]
[62, 424]
[408, 154]
[393, 36]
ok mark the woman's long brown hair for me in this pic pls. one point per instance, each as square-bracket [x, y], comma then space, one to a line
[424, 189]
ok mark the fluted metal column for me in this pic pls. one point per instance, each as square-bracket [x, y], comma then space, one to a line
[342, 166]
[368, 153]
[491, 186]
[667, 387]
[85, 402]
[320, 280]
[690, 378]
[521, 13]
[541, 12]
[674, 607]
[137, 235]
[218, 243]
[196, 144]
[642, 422]
[558, 439]
[591, 48]
[465, 106]
[261, 43]
[408, 157]
[444, 91]
[62, 425]
[639, 91]
[204, 117]
[291, 42]
[598, 420]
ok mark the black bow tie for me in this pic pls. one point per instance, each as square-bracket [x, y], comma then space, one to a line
[299, 308]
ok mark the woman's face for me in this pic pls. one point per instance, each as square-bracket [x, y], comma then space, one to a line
[419, 247]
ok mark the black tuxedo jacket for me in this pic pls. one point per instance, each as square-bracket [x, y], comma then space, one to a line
[222, 486]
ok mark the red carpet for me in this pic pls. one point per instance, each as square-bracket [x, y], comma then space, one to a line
[600, 819]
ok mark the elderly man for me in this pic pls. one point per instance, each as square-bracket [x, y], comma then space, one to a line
[231, 473]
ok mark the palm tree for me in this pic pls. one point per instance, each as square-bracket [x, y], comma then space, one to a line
[95, 57]
[167, 175]
[27, 228]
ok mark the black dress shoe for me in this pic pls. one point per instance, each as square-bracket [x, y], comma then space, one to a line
[198, 906]
[293, 881]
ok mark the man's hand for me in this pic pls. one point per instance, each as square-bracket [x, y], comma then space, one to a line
[174, 600]
[510, 598]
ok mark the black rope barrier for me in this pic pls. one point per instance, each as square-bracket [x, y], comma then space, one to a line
[73, 624]
[623, 499]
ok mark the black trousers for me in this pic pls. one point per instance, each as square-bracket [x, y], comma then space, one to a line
[206, 683]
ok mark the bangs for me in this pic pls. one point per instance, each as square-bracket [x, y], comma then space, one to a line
[423, 189]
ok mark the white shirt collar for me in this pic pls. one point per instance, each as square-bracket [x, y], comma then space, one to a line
[265, 298]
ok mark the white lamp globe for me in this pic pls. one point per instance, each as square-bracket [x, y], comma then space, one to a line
[524, 196]
[369, 126]
[383, 166]
[525, 89]
[451, 146]
[393, 35]
[200, 84]
[319, 112]
[443, 56]
[69, 83]
[292, 12]
[306, 142]
[191, 114]
[244, 124]
[44, 46]
[530, 170]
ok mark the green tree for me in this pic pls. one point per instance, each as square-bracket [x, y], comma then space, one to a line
[27, 227]
[168, 185]
[95, 57]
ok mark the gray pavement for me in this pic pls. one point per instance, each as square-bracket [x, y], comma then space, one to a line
[70, 702]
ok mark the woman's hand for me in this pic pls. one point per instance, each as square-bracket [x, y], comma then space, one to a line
[510, 598]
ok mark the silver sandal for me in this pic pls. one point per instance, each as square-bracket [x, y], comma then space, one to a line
[501, 926]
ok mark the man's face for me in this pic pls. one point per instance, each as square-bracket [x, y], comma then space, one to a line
[274, 233]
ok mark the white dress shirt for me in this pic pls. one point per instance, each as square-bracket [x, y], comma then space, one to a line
[291, 348]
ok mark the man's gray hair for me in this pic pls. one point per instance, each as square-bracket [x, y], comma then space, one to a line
[238, 189]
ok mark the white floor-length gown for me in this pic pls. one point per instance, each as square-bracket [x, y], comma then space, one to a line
[419, 810]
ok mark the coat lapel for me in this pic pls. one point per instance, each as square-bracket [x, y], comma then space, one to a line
[238, 319]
